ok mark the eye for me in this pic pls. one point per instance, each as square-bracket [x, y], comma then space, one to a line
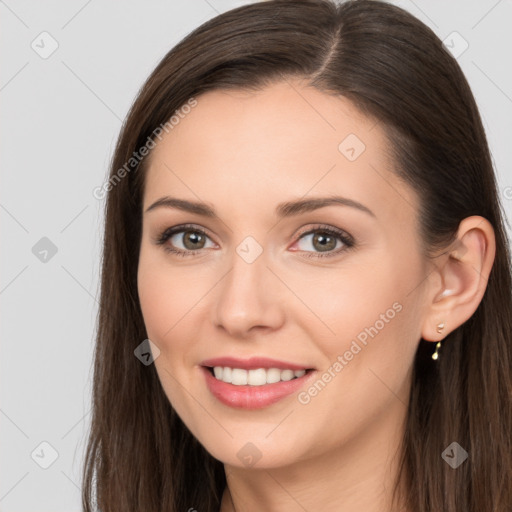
[324, 241]
[184, 240]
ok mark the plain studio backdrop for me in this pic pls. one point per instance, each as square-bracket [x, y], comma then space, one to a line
[70, 71]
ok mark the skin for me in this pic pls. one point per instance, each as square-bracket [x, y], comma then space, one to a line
[243, 153]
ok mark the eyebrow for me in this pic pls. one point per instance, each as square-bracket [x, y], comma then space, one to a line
[286, 209]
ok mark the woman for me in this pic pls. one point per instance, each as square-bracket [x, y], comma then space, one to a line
[306, 287]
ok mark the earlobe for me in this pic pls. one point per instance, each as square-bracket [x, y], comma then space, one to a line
[439, 329]
[459, 280]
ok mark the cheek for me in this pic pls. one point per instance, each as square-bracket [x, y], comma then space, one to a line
[344, 298]
[156, 305]
[158, 296]
[167, 295]
[173, 301]
[367, 361]
[166, 302]
[367, 308]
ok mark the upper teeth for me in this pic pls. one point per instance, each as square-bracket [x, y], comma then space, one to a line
[258, 377]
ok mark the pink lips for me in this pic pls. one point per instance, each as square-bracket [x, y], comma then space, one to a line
[252, 397]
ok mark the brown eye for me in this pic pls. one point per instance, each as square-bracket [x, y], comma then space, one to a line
[323, 242]
[184, 240]
[320, 241]
[191, 240]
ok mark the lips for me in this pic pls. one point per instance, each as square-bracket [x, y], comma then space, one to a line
[253, 383]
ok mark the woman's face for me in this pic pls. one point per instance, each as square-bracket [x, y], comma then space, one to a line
[271, 277]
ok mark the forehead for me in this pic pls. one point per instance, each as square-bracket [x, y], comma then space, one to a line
[249, 148]
[287, 117]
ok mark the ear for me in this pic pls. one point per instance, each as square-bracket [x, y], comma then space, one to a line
[459, 279]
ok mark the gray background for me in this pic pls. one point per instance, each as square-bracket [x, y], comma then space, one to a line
[60, 119]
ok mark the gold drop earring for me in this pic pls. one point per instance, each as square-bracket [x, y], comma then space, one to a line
[439, 329]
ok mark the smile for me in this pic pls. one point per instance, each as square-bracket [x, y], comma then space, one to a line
[256, 377]
[254, 388]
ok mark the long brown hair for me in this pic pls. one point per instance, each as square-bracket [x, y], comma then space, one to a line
[140, 456]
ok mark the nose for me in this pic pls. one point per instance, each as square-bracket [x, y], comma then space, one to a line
[249, 299]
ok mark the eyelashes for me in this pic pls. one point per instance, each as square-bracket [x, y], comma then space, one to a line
[321, 233]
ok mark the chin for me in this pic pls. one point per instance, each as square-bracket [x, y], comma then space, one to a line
[253, 451]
